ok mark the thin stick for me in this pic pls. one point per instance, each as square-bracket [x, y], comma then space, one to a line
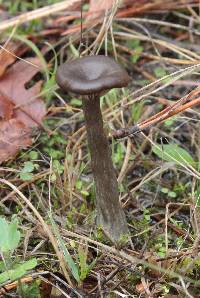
[36, 14]
[81, 37]
[125, 163]
[171, 113]
[159, 117]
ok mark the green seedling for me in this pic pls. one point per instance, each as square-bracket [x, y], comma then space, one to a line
[175, 153]
[9, 240]
[84, 267]
[79, 269]
[171, 194]
[136, 46]
[26, 172]
[160, 72]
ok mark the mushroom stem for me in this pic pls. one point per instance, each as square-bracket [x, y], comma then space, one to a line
[110, 215]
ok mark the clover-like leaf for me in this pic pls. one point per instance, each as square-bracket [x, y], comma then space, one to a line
[9, 236]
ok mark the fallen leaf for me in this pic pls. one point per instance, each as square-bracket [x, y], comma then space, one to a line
[14, 135]
[99, 6]
[20, 107]
[6, 107]
[96, 5]
[6, 58]
[29, 108]
[8, 55]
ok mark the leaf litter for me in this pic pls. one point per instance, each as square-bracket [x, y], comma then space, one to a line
[20, 108]
[9, 53]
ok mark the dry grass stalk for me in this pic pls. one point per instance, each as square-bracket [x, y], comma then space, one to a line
[37, 14]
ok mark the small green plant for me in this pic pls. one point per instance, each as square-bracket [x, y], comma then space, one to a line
[160, 72]
[147, 217]
[138, 49]
[110, 98]
[84, 267]
[29, 291]
[76, 102]
[26, 172]
[165, 289]
[169, 193]
[118, 155]
[9, 240]
[160, 246]
[54, 145]
[80, 185]
[80, 268]
[169, 122]
[173, 152]
[136, 110]
[33, 155]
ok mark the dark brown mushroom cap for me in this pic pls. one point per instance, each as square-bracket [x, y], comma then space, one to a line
[91, 75]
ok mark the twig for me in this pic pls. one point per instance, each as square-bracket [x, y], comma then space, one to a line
[125, 163]
[14, 285]
[159, 117]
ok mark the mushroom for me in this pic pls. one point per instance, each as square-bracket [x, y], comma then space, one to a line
[91, 77]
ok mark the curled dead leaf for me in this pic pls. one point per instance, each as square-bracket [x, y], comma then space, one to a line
[6, 58]
[6, 107]
[14, 135]
[20, 108]
[8, 55]
[30, 109]
[97, 7]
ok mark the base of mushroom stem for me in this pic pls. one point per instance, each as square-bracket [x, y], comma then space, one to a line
[115, 230]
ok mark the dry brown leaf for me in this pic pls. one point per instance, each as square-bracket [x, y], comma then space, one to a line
[29, 108]
[14, 135]
[6, 107]
[102, 5]
[6, 58]
[96, 5]
[8, 55]
[20, 108]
